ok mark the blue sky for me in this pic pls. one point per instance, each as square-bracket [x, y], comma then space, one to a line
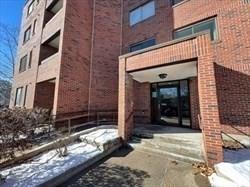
[10, 15]
[11, 12]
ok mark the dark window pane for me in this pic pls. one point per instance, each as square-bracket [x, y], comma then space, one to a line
[200, 27]
[23, 64]
[209, 25]
[185, 110]
[142, 45]
[183, 33]
[176, 1]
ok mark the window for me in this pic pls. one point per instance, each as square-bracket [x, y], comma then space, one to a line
[30, 59]
[142, 45]
[174, 2]
[209, 25]
[19, 95]
[34, 27]
[25, 94]
[27, 35]
[23, 64]
[31, 8]
[141, 13]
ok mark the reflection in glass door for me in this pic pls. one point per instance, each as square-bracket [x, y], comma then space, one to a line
[169, 106]
[170, 103]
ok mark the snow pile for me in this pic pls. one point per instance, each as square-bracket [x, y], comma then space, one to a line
[235, 172]
[100, 136]
[49, 165]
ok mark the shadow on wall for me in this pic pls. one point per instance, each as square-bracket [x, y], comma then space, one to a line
[233, 90]
[111, 175]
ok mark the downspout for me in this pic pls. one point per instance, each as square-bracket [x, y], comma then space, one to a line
[91, 55]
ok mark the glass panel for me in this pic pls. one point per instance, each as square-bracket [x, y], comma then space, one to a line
[148, 10]
[135, 16]
[185, 108]
[183, 33]
[142, 45]
[169, 105]
[209, 25]
[19, 93]
[176, 1]
[23, 63]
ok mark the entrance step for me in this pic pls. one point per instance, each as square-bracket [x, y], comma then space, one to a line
[174, 147]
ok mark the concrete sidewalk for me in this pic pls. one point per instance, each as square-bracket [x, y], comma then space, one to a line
[127, 167]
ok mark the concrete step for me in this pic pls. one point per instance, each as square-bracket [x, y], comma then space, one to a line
[187, 153]
[174, 139]
[103, 139]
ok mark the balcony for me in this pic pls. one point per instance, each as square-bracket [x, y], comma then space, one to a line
[53, 20]
[49, 68]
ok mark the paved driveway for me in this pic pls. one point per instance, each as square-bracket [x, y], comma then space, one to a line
[127, 167]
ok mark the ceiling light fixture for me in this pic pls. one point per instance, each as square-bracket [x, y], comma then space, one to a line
[163, 75]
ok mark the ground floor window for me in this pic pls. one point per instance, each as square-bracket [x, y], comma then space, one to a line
[19, 96]
[170, 103]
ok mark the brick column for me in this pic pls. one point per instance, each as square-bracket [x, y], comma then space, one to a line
[210, 122]
[125, 102]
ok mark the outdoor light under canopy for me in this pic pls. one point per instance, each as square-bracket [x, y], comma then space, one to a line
[163, 75]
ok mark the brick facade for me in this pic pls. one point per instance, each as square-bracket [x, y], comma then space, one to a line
[93, 34]
[230, 50]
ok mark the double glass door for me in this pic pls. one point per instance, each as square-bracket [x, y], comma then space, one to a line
[170, 102]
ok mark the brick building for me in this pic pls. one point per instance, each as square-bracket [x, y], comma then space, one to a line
[178, 62]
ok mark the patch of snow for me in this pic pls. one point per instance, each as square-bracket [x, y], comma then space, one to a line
[101, 136]
[49, 165]
[234, 172]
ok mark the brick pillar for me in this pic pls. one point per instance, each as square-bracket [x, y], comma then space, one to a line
[125, 102]
[210, 122]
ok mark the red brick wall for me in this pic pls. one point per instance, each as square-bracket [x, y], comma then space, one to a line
[73, 90]
[44, 96]
[142, 102]
[159, 26]
[231, 51]
[194, 101]
[105, 52]
[231, 54]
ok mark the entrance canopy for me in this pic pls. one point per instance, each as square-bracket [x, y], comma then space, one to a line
[172, 72]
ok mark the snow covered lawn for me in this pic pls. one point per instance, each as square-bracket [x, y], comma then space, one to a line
[234, 172]
[49, 165]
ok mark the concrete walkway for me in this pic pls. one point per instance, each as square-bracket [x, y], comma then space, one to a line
[127, 167]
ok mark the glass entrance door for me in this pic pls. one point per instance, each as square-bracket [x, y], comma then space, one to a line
[169, 105]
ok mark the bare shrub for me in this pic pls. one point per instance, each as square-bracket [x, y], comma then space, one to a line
[17, 127]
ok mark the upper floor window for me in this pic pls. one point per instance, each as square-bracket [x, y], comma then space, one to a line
[27, 34]
[141, 13]
[34, 27]
[142, 45]
[174, 2]
[209, 25]
[31, 7]
[30, 59]
[23, 64]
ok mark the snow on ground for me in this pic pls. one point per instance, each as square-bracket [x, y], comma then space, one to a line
[49, 165]
[234, 172]
[101, 136]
